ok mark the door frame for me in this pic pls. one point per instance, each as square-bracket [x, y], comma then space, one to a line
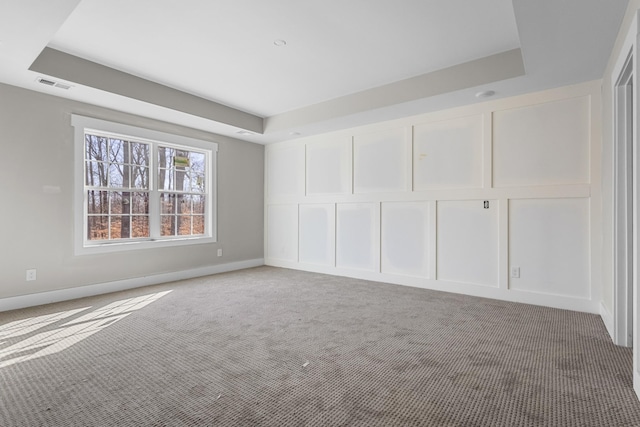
[623, 167]
[628, 57]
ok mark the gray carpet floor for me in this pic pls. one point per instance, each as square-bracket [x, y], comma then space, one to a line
[276, 347]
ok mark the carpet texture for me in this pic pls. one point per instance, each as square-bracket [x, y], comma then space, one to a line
[276, 347]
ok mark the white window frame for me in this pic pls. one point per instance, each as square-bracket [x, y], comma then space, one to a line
[83, 246]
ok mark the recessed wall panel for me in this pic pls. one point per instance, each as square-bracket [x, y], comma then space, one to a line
[448, 154]
[317, 234]
[544, 144]
[285, 171]
[329, 167]
[405, 238]
[282, 234]
[357, 236]
[467, 242]
[549, 243]
[381, 161]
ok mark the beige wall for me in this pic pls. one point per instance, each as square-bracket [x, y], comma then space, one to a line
[36, 140]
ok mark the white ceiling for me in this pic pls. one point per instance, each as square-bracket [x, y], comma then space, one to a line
[223, 50]
[338, 54]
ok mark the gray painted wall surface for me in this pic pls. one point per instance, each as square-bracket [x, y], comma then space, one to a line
[36, 141]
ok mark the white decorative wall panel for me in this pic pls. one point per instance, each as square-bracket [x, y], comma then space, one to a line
[544, 144]
[381, 161]
[448, 154]
[405, 239]
[402, 201]
[358, 236]
[468, 242]
[549, 242]
[285, 171]
[317, 238]
[329, 167]
[282, 232]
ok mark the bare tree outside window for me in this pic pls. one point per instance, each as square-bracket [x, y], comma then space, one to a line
[117, 182]
[118, 186]
[181, 177]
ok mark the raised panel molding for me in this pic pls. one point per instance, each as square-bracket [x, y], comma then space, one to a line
[549, 243]
[406, 238]
[282, 232]
[285, 171]
[317, 238]
[468, 237]
[382, 161]
[402, 201]
[544, 144]
[448, 154]
[358, 236]
[328, 167]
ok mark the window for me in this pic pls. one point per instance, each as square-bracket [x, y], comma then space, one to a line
[181, 177]
[137, 188]
[117, 187]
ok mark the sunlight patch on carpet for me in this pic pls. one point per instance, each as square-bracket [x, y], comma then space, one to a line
[56, 340]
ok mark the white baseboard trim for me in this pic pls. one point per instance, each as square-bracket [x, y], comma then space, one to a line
[607, 319]
[546, 300]
[22, 301]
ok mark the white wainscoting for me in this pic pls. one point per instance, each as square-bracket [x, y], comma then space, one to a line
[450, 200]
[542, 144]
[285, 168]
[381, 161]
[329, 167]
[446, 154]
[468, 241]
[317, 237]
[282, 232]
[358, 236]
[549, 243]
[406, 238]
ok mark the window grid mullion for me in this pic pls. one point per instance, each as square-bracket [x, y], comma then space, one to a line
[154, 194]
[109, 213]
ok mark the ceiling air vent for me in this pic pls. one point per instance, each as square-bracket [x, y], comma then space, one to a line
[46, 82]
[53, 83]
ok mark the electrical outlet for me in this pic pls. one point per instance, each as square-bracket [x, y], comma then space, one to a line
[219, 252]
[515, 272]
[31, 275]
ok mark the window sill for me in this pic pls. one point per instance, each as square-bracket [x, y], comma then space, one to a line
[114, 247]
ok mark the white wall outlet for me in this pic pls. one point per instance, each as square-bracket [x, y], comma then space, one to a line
[31, 275]
[219, 252]
[515, 272]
